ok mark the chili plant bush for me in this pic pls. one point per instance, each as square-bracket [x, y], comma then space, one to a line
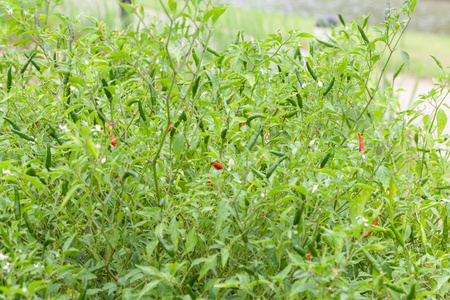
[144, 164]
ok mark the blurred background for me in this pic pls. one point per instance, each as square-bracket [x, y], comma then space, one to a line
[428, 34]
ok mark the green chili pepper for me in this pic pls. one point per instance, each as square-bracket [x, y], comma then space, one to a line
[17, 212]
[129, 173]
[34, 63]
[27, 222]
[254, 137]
[195, 86]
[394, 287]
[274, 166]
[13, 124]
[327, 157]
[141, 111]
[252, 117]
[67, 74]
[182, 116]
[372, 260]
[310, 70]
[153, 96]
[311, 49]
[223, 134]
[278, 153]
[23, 135]
[299, 78]
[298, 249]
[292, 102]
[363, 35]
[107, 92]
[27, 62]
[196, 59]
[328, 88]
[48, 160]
[9, 79]
[298, 214]
[258, 173]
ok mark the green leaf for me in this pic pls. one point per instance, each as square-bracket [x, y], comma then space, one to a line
[438, 62]
[191, 241]
[405, 57]
[210, 262]
[148, 287]
[218, 11]
[384, 176]
[221, 216]
[441, 121]
[173, 5]
[173, 229]
[178, 144]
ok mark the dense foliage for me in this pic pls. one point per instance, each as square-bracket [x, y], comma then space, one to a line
[143, 164]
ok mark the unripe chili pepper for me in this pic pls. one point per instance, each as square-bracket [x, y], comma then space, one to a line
[361, 143]
[217, 165]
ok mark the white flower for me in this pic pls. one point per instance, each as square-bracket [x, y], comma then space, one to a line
[7, 172]
[262, 195]
[314, 188]
[64, 128]
[24, 290]
[319, 83]
[231, 162]
[98, 127]
[103, 160]
[3, 257]
[98, 146]
[37, 265]
[6, 267]
[312, 142]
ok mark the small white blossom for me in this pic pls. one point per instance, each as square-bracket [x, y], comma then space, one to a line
[98, 127]
[314, 188]
[319, 83]
[98, 146]
[24, 290]
[103, 160]
[3, 257]
[7, 172]
[37, 265]
[231, 162]
[262, 195]
[7, 267]
[64, 128]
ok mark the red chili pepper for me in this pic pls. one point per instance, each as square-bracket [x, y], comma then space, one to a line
[217, 165]
[309, 256]
[361, 143]
[117, 179]
[170, 128]
[242, 124]
[369, 232]
[209, 181]
[112, 137]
